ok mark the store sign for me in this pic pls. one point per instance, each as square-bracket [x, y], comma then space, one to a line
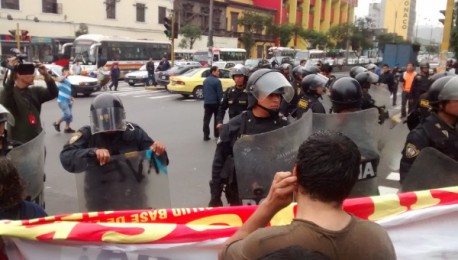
[405, 14]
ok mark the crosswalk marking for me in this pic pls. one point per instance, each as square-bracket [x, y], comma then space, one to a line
[393, 176]
[383, 190]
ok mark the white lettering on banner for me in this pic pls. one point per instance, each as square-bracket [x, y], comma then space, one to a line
[366, 170]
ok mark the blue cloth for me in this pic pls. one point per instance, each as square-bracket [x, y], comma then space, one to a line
[115, 73]
[25, 210]
[213, 90]
[65, 91]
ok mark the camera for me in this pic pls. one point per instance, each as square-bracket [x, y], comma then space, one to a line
[22, 67]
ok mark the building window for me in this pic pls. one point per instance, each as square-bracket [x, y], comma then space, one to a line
[141, 10]
[49, 6]
[111, 9]
[234, 21]
[161, 14]
[10, 4]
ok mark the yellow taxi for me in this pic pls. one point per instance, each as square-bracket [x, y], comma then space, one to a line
[191, 82]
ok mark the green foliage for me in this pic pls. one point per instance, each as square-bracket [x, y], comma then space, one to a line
[339, 34]
[252, 23]
[190, 34]
[183, 44]
[83, 29]
[315, 38]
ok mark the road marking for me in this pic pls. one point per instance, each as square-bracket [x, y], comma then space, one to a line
[383, 190]
[159, 97]
[394, 176]
[140, 96]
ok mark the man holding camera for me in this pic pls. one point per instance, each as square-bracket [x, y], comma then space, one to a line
[24, 102]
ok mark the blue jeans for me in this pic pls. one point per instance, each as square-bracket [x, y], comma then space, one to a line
[67, 110]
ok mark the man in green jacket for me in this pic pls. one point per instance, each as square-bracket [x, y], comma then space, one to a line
[23, 101]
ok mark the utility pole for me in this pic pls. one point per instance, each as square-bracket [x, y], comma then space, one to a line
[172, 54]
[446, 34]
[210, 34]
[17, 38]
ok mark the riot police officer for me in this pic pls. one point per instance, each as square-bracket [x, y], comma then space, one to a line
[108, 135]
[365, 80]
[423, 109]
[234, 98]
[266, 89]
[420, 84]
[355, 70]
[312, 87]
[289, 108]
[439, 129]
[346, 95]
[285, 69]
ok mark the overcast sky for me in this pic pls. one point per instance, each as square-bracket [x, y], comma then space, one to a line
[427, 10]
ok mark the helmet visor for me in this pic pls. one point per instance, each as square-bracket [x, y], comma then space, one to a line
[108, 120]
[450, 90]
[372, 77]
[272, 82]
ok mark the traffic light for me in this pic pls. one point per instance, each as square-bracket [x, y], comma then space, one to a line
[168, 26]
[25, 35]
[175, 30]
[442, 20]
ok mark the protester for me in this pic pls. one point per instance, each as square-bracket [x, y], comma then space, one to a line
[65, 102]
[150, 69]
[326, 168]
[12, 192]
[213, 93]
[115, 73]
[407, 80]
[24, 102]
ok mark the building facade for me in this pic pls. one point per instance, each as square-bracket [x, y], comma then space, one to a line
[399, 17]
[375, 13]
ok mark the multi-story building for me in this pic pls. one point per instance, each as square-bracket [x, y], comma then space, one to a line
[399, 17]
[376, 15]
[318, 15]
[56, 18]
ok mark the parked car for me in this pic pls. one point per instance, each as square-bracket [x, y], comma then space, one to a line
[80, 84]
[163, 77]
[139, 76]
[251, 64]
[191, 82]
[363, 60]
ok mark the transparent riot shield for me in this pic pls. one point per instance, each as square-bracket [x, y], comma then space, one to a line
[128, 181]
[29, 159]
[381, 95]
[391, 143]
[362, 128]
[258, 157]
[432, 169]
[326, 102]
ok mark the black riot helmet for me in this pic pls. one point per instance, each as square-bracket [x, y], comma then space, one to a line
[107, 114]
[355, 70]
[298, 72]
[346, 94]
[264, 64]
[450, 90]
[441, 75]
[311, 82]
[310, 69]
[264, 82]
[424, 65]
[435, 89]
[365, 79]
[6, 116]
[239, 71]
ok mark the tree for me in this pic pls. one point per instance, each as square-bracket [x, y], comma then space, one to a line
[190, 33]
[315, 38]
[340, 34]
[183, 44]
[252, 23]
[83, 29]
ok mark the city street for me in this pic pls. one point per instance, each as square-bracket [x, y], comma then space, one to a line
[175, 121]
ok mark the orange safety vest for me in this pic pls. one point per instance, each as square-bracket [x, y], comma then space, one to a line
[408, 79]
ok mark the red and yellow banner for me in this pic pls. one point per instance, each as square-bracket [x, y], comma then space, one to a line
[421, 225]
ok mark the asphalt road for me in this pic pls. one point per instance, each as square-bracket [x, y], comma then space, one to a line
[175, 121]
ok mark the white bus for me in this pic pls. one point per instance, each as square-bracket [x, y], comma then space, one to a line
[183, 54]
[281, 52]
[221, 56]
[94, 51]
[310, 56]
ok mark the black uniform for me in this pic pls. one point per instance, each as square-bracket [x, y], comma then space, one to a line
[81, 148]
[234, 99]
[309, 101]
[421, 111]
[367, 101]
[290, 108]
[243, 124]
[420, 85]
[432, 133]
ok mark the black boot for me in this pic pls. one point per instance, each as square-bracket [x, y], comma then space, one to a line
[215, 191]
